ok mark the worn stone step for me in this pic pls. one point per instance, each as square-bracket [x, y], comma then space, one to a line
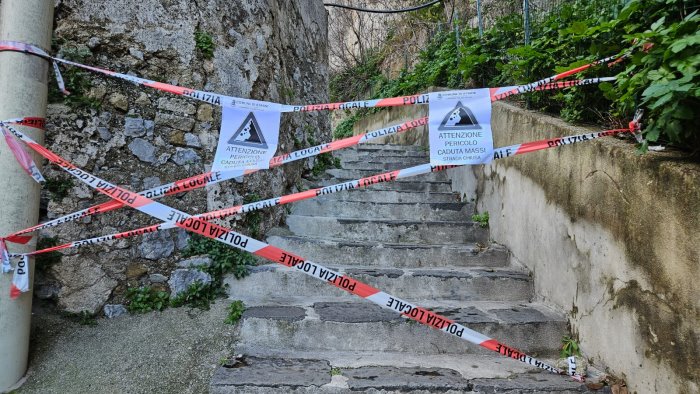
[274, 281]
[345, 253]
[357, 209]
[343, 372]
[341, 174]
[354, 155]
[416, 186]
[382, 164]
[390, 196]
[387, 230]
[388, 147]
[311, 324]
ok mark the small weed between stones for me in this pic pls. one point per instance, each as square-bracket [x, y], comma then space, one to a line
[145, 299]
[204, 42]
[335, 371]
[235, 312]
[482, 219]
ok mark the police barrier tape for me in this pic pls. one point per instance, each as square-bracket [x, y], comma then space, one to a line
[222, 100]
[390, 176]
[272, 253]
[210, 178]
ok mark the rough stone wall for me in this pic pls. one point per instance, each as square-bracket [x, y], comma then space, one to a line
[137, 137]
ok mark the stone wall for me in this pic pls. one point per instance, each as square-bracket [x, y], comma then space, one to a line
[137, 137]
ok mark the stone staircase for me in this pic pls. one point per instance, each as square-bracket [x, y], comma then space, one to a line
[414, 239]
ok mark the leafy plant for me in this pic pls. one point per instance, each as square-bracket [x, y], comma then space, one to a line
[481, 218]
[323, 162]
[344, 128]
[569, 347]
[145, 299]
[235, 312]
[225, 258]
[58, 187]
[204, 42]
[197, 295]
[335, 371]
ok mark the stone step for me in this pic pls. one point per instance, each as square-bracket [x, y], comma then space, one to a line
[354, 155]
[390, 196]
[402, 185]
[383, 164]
[389, 147]
[313, 324]
[387, 230]
[342, 372]
[446, 211]
[341, 175]
[274, 281]
[344, 253]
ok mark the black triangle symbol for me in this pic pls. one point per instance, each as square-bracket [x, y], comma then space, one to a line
[460, 118]
[249, 134]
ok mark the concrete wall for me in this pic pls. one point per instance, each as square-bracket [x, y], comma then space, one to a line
[611, 237]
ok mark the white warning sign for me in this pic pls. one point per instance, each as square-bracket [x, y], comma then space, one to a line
[248, 138]
[460, 127]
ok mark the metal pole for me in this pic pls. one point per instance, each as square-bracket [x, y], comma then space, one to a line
[23, 83]
[478, 16]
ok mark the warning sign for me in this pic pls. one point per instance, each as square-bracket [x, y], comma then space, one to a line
[248, 138]
[460, 127]
[249, 134]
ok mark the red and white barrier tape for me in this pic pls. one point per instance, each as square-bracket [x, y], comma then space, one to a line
[23, 158]
[390, 176]
[222, 100]
[272, 253]
[210, 178]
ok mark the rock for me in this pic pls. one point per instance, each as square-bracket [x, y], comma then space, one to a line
[104, 133]
[176, 105]
[46, 291]
[94, 42]
[114, 310]
[151, 182]
[157, 278]
[135, 270]
[177, 137]
[142, 100]
[149, 125]
[181, 239]
[192, 140]
[198, 261]
[174, 121]
[134, 127]
[156, 245]
[97, 92]
[85, 286]
[205, 113]
[163, 158]
[136, 53]
[185, 156]
[143, 149]
[119, 101]
[181, 279]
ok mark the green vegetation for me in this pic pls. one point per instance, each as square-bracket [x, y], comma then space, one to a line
[569, 347]
[145, 299]
[58, 187]
[482, 219]
[323, 162]
[198, 295]
[204, 43]
[235, 312]
[77, 81]
[661, 76]
[335, 371]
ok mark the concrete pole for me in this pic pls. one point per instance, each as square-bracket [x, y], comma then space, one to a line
[23, 91]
